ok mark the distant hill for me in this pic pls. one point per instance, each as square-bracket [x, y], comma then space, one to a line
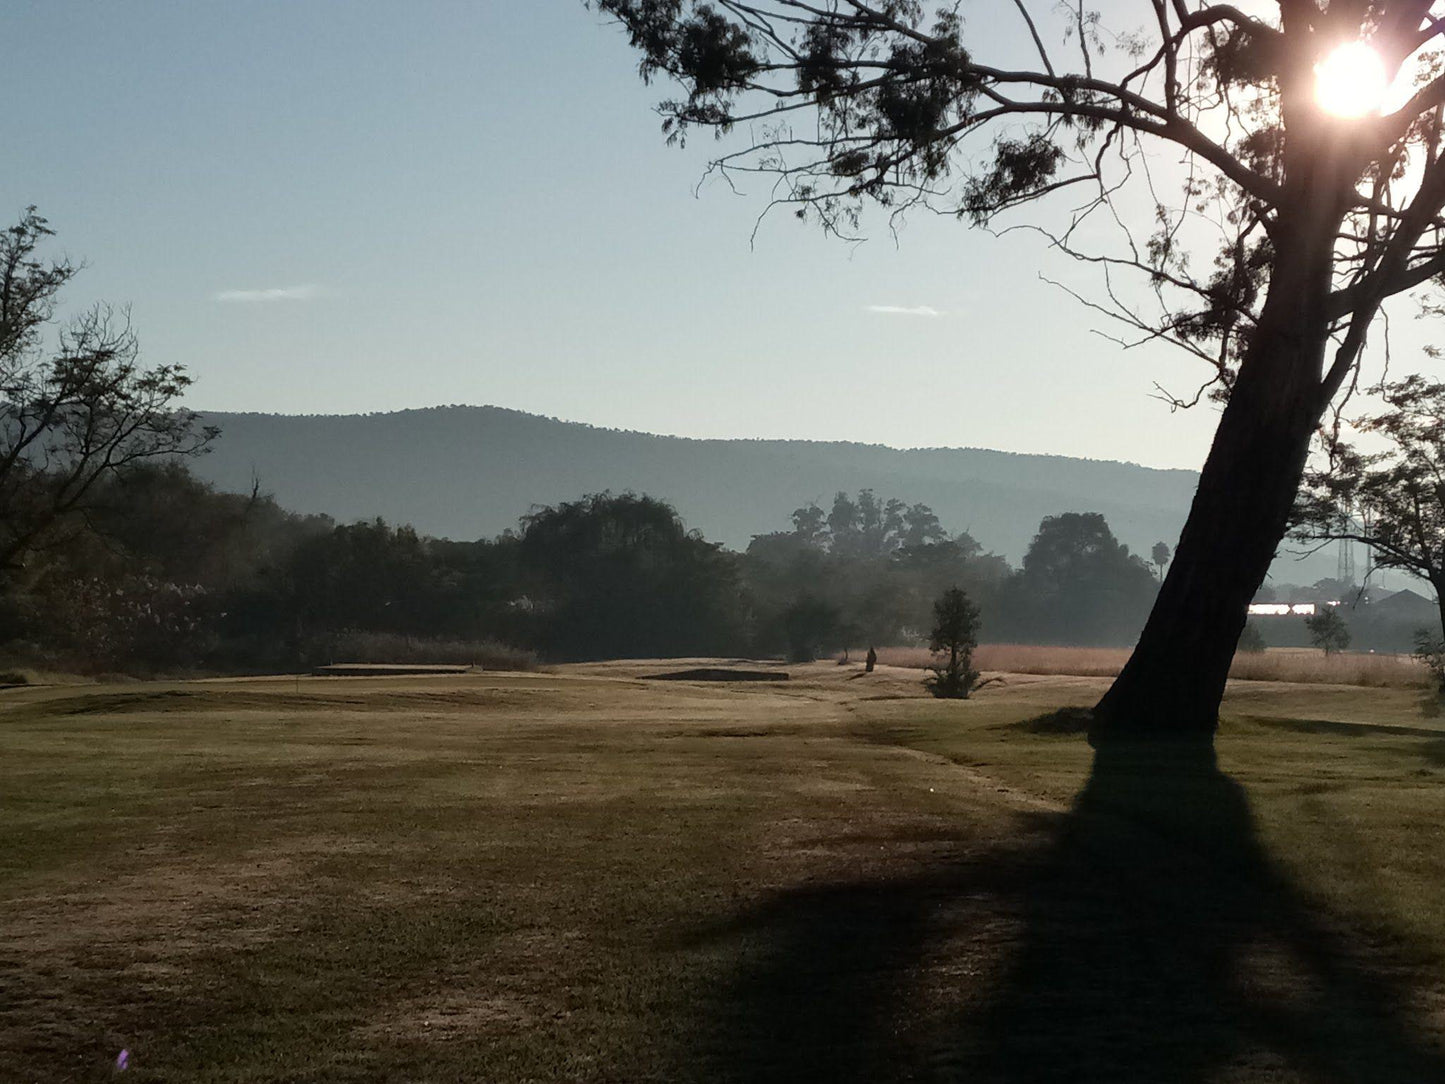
[469, 472]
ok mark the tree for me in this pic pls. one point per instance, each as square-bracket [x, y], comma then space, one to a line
[1079, 584]
[1392, 500]
[811, 625]
[1160, 556]
[619, 576]
[76, 408]
[1314, 219]
[1328, 630]
[1430, 652]
[955, 633]
[1251, 640]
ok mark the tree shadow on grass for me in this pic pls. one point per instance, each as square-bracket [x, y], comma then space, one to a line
[1145, 935]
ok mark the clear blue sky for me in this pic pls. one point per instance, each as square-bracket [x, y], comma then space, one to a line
[340, 206]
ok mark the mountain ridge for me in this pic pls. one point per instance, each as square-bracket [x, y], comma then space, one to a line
[471, 471]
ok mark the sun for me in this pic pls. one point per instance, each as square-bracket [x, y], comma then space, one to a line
[1351, 81]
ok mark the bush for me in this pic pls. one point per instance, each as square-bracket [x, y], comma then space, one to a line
[1251, 640]
[955, 632]
[1328, 631]
[1430, 650]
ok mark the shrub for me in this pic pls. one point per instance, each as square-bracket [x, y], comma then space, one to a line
[955, 632]
[1251, 640]
[1328, 631]
[1430, 650]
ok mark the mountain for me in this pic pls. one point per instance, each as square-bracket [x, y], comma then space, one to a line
[468, 472]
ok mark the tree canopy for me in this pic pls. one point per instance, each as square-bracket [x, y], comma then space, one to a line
[1391, 499]
[76, 407]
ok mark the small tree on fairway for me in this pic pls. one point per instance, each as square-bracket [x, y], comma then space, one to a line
[1328, 631]
[955, 633]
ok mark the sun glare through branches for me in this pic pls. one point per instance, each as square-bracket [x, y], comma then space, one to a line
[1351, 81]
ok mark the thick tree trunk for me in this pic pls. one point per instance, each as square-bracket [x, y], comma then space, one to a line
[1174, 681]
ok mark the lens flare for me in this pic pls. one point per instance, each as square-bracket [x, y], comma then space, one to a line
[1351, 81]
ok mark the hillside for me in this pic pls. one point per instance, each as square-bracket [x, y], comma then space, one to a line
[468, 472]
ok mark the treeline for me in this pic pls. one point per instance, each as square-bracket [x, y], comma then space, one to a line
[164, 573]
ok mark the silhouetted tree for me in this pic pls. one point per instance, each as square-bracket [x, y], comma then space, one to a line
[1251, 640]
[955, 634]
[1430, 651]
[76, 408]
[811, 626]
[619, 576]
[1320, 218]
[810, 524]
[1328, 630]
[1079, 585]
[921, 527]
[1160, 556]
[1392, 500]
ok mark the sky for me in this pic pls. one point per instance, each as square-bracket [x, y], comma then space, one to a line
[347, 206]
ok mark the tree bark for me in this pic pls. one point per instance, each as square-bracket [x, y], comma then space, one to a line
[1173, 683]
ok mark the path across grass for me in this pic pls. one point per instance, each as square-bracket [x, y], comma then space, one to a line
[589, 876]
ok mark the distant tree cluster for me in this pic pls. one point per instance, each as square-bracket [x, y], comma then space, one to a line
[866, 571]
[163, 572]
[1078, 585]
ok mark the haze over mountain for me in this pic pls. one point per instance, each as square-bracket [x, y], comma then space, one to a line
[466, 472]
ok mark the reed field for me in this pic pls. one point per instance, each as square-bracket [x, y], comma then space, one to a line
[1292, 664]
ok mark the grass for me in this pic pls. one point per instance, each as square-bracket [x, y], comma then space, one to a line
[1292, 664]
[588, 876]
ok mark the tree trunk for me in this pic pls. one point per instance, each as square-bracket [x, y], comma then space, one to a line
[1174, 681]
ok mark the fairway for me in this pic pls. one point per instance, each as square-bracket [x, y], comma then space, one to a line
[585, 875]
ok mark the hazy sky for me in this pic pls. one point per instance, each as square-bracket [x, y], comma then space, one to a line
[339, 206]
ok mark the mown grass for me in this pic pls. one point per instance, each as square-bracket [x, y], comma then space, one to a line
[586, 876]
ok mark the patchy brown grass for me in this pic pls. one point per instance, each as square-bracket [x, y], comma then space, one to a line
[1293, 664]
[585, 876]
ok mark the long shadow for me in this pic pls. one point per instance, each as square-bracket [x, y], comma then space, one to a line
[1146, 935]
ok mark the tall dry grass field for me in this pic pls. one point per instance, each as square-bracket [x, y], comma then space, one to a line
[1298, 664]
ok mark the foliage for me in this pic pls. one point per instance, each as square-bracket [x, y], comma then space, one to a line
[1078, 585]
[1430, 651]
[166, 574]
[621, 577]
[867, 526]
[1251, 640]
[875, 564]
[1328, 630]
[1160, 555]
[1392, 500]
[811, 626]
[76, 407]
[955, 634]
